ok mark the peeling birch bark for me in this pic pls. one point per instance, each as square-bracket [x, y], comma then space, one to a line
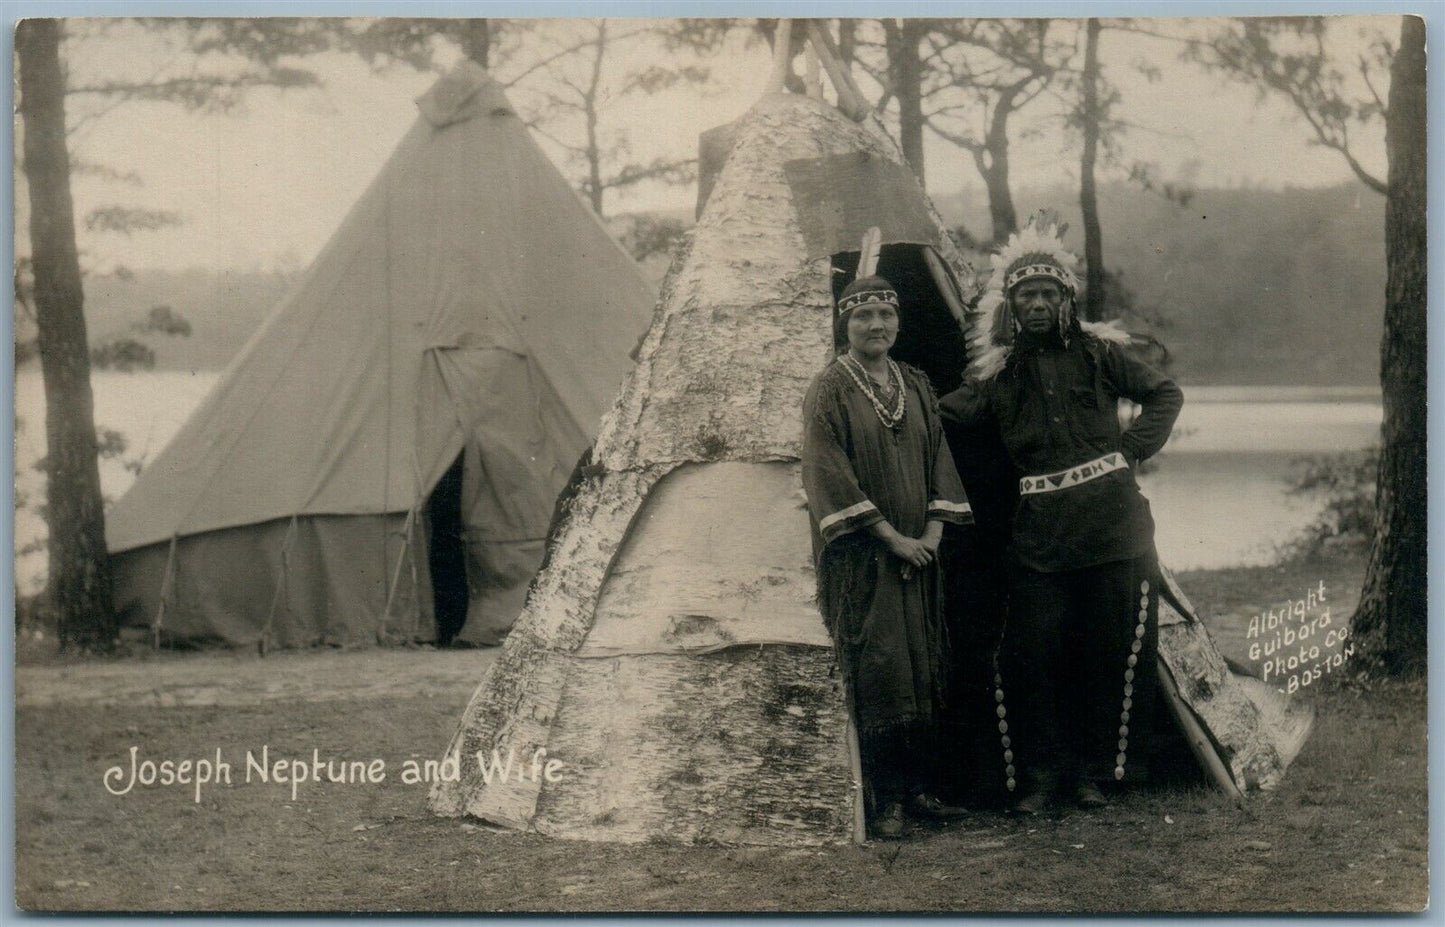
[671, 658]
[1255, 731]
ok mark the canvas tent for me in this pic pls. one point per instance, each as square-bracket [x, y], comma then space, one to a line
[411, 408]
[671, 658]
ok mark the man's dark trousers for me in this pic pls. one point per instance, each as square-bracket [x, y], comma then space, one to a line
[1074, 697]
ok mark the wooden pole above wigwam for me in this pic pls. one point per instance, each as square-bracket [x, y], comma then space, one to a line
[812, 79]
[782, 56]
[850, 99]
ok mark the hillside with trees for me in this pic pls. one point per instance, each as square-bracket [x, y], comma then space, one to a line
[1281, 287]
[1300, 305]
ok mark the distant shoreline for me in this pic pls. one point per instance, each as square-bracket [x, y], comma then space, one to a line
[1194, 392]
[1281, 393]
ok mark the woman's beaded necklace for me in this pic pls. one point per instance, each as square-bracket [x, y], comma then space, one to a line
[889, 417]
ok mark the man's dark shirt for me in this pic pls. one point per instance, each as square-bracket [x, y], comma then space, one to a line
[1056, 407]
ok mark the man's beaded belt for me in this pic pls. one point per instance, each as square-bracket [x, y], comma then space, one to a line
[1052, 482]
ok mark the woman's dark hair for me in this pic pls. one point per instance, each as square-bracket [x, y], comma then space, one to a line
[840, 332]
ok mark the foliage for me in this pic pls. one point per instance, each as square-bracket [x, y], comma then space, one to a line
[416, 43]
[127, 354]
[962, 79]
[110, 443]
[584, 68]
[33, 615]
[1290, 57]
[979, 65]
[165, 321]
[128, 219]
[1146, 177]
[1345, 482]
[124, 354]
[649, 235]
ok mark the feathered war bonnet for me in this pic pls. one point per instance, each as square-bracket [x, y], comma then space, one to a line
[1036, 251]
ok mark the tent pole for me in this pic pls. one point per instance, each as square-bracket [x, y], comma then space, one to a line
[166, 583]
[855, 756]
[855, 760]
[416, 580]
[944, 282]
[782, 56]
[850, 99]
[1194, 732]
[280, 586]
[811, 78]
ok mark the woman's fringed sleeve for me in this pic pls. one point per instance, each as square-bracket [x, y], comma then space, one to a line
[836, 502]
[947, 501]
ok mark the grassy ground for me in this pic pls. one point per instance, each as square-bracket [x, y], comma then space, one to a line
[1346, 832]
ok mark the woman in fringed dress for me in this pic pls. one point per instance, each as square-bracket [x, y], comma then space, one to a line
[881, 485]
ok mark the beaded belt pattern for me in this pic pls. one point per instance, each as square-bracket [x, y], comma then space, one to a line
[1064, 479]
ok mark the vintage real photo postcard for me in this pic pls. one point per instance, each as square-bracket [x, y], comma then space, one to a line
[861, 465]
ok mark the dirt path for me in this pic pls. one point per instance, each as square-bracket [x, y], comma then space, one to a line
[238, 679]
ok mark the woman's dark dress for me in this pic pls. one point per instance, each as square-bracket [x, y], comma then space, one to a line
[888, 630]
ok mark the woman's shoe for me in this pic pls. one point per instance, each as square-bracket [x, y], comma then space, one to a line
[1087, 795]
[1032, 803]
[923, 805]
[889, 824]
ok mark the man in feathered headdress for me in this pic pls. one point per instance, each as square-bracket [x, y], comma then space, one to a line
[1077, 660]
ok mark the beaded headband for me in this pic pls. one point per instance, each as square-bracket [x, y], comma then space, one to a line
[1052, 271]
[854, 300]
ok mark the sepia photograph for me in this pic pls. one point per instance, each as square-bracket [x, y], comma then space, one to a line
[526, 464]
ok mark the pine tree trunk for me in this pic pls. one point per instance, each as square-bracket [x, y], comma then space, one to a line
[994, 170]
[79, 587]
[906, 71]
[1391, 620]
[593, 151]
[992, 162]
[1093, 307]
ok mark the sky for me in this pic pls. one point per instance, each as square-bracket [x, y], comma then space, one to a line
[264, 187]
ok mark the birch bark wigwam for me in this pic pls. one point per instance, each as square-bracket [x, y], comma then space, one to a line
[671, 657]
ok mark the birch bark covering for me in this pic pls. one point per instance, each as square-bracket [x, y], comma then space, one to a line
[721, 555]
[672, 657]
[1255, 731]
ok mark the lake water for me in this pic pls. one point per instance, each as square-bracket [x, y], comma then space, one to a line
[1218, 490]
